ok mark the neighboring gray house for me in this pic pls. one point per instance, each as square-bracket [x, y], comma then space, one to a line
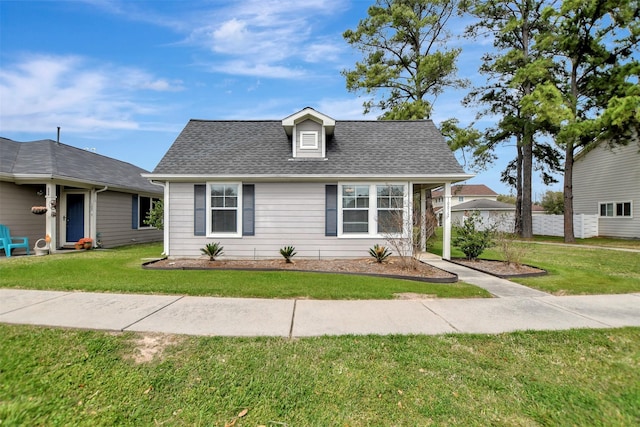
[606, 182]
[491, 212]
[310, 181]
[85, 194]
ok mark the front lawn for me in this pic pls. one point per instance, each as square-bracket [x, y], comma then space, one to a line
[120, 270]
[87, 378]
[574, 270]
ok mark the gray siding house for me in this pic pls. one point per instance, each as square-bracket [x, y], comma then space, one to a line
[85, 195]
[321, 185]
[606, 182]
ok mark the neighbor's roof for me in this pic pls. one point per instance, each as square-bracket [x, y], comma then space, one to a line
[262, 148]
[467, 190]
[483, 205]
[47, 159]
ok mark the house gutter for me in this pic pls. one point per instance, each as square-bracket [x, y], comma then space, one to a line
[165, 218]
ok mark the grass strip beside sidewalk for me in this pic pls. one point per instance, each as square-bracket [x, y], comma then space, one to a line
[71, 377]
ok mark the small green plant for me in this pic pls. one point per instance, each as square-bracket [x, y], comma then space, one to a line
[380, 253]
[471, 239]
[212, 250]
[288, 252]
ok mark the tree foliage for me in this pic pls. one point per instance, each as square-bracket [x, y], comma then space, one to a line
[594, 94]
[553, 202]
[513, 72]
[155, 216]
[406, 63]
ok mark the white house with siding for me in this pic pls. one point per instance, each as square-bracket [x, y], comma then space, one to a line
[321, 185]
[606, 182]
[85, 195]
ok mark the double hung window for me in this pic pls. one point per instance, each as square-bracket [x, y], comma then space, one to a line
[224, 208]
[355, 208]
[390, 208]
[372, 209]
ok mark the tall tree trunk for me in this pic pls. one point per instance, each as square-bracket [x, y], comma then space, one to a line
[527, 170]
[527, 144]
[568, 195]
[518, 224]
[569, 237]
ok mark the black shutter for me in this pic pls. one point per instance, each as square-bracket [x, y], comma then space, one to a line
[331, 210]
[248, 210]
[134, 212]
[199, 210]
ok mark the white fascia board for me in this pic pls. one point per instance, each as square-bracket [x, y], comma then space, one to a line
[415, 179]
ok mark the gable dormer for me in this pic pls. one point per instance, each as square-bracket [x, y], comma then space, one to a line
[309, 131]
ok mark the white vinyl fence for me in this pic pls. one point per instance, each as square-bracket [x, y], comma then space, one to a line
[584, 226]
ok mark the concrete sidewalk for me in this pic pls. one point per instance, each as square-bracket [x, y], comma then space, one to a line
[304, 318]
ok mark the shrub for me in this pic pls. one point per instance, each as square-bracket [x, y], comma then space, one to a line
[212, 250]
[288, 252]
[512, 251]
[380, 253]
[472, 238]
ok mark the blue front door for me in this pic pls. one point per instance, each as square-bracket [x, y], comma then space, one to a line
[75, 217]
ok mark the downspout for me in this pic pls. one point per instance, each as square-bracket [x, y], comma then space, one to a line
[165, 219]
[93, 214]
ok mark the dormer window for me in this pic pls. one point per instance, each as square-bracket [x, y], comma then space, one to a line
[308, 140]
[309, 131]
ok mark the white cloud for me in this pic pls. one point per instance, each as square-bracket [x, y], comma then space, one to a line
[248, 68]
[39, 93]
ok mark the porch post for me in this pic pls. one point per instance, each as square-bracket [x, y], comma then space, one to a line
[446, 235]
[50, 220]
[423, 219]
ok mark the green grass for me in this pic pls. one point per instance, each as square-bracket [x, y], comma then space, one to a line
[87, 378]
[593, 241]
[574, 270]
[119, 270]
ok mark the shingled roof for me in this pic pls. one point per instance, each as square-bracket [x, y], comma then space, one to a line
[356, 148]
[467, 190]
[51, 160]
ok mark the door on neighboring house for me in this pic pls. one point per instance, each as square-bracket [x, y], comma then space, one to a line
[74, 217]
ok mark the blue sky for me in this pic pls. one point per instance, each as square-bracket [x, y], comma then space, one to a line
[124, 77]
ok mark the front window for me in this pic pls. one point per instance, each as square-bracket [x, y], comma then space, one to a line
[390, 208]
[355, 208]
[224, 208]
[373, 209]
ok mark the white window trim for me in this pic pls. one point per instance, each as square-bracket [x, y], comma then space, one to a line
[309, 147]
[615, 210]
[238, 232]
[373, 210]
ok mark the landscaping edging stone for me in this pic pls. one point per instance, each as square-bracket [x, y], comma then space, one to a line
[541, 271]
[453, 279]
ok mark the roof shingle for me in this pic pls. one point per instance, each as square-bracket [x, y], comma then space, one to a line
[49, 158]
[263, 148]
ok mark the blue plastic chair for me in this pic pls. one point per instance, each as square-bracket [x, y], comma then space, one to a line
[9, 243]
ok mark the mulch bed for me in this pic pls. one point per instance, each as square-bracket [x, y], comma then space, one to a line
[500, 268]
[392, 268]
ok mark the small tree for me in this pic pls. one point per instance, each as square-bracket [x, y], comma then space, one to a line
[473, 237]
[553, 202]
[155, 216]
[401, 234]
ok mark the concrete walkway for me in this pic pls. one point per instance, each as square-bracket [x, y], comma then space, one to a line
[515, 308]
